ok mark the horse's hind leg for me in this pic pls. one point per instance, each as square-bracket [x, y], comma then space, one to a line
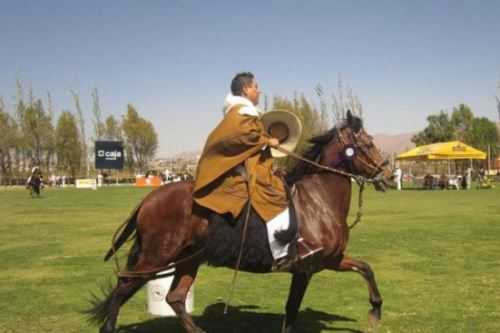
[349, 264]
[184, 277]
[300, 281]
[107, 311]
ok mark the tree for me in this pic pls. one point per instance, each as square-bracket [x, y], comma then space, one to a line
[484, 132]
[141, 138]
[81, 128]
[20, 150]
[112, 129]
[34, 144]
[313, 122]
[8, 140]
[463, 126]
[99, 126]
[340, 105]
[323, 108]
[438, 130]
[37, 132]
[498, 102]
[317, 120]
[68, 143]
[498, 107]
[461, 122]
[51, 140]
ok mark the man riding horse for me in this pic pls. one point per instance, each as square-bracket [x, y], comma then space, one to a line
[34, 182]
[236, 169]
[169, 231]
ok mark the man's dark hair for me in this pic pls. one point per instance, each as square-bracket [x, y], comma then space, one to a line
[241, 80]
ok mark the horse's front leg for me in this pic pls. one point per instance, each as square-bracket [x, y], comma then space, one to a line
[349, 264]
[300, 281]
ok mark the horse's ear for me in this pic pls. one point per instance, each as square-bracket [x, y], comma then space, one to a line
[349, 118]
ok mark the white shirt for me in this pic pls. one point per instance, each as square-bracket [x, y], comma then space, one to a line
[248, 109]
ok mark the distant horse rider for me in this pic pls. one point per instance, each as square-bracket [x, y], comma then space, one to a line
[35, 173]
[34, 182]
[236, 168]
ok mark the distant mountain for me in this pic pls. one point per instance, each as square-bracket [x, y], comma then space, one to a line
[397, 143]
[187, 155]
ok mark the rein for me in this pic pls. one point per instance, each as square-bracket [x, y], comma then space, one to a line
[360, 180]
[130, 274]
[155, 271]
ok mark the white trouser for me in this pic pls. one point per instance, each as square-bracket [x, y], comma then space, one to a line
[279, 222]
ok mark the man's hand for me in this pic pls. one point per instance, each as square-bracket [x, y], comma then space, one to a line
[273, 142]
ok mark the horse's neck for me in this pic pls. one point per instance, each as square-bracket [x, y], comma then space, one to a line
[326, 193]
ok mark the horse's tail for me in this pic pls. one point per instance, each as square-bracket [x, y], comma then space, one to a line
[130, 227]
[100, 307]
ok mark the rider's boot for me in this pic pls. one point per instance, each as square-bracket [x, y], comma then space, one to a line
[310, 254]
[302, 256]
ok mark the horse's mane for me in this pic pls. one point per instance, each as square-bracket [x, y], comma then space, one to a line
[315, 151]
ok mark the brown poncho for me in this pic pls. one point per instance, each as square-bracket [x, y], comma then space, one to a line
[238, 140]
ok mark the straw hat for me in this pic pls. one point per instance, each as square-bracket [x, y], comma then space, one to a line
[284, 126]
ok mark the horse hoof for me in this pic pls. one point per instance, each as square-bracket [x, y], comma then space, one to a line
[199, 330]
[373, 318]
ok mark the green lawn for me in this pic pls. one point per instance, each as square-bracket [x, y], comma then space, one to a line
[435, 255]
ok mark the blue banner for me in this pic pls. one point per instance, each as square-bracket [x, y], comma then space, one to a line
[109, 155]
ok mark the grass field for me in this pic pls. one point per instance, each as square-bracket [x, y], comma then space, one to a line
[435, 255]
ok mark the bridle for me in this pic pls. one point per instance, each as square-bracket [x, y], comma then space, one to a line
[349, 152]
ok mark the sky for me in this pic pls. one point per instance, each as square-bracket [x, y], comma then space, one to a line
[174, 60]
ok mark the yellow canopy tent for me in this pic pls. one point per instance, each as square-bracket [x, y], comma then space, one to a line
[452, 150]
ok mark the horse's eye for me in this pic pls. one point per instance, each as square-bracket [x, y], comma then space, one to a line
[367, 140]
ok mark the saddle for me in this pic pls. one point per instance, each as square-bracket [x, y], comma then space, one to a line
[225, 242]
[225, 237]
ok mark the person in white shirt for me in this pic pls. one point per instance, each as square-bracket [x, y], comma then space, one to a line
[398, 174]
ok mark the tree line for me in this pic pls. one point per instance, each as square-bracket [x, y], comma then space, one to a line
[318, 115]
[31, 135]
[461, 125]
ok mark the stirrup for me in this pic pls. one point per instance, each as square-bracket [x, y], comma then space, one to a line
[310, 254]
[284, 264]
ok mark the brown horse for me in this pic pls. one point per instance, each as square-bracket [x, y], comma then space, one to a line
[34, 185]
[169, 228]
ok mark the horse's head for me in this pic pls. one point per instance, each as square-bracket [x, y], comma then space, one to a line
[353, 150]
[347, 149]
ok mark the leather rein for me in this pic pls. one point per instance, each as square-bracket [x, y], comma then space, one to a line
[348, 153]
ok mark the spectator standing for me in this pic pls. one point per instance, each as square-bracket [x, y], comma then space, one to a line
[480, 176]
[398, 175]
[468, 177]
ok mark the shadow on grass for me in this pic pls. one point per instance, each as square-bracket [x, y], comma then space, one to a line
[243, 319]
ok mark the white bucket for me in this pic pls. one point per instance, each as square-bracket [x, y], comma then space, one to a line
[157, 291]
